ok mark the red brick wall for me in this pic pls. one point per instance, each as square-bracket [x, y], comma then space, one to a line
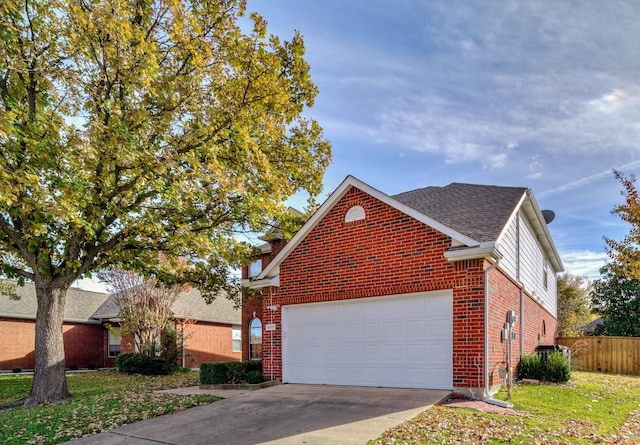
[505, 296]
[209, 342]
[18, 340]
[83, 344]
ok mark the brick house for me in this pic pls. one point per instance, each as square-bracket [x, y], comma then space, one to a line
[440, 287]
[213, 330]
[83, 335]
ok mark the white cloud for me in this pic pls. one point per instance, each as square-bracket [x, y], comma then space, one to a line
[585, 263]
[585, 181]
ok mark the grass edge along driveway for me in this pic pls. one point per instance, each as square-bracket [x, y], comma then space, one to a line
[102, 400]
[591, 408]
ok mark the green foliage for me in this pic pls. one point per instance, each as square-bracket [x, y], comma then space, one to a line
[145, 135]
[557, 368]
[255, 377]
[169, 348]
[137, 363]
[530, 367]
[253, 365]
[236, 372]
[231, 372]
[573, 305]
[213, 373]
[16, 369]
[617, 299]
[626, 253]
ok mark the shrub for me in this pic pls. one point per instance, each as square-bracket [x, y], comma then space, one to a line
[254, 365]
[16, 369]
[530, 367]
[176, 369]
[213, 373]
[557, 369]
[73, 368]
[236, 372]
[169, 349]
[231, 372]
[137, 363]
[255, 376]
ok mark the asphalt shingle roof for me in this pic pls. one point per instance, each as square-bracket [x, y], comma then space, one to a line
[189, 304]
[478, 211]
[80, 304]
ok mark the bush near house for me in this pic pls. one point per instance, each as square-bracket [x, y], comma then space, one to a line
[555, 369]
[138, 363]
[231, 372]
[530, 367]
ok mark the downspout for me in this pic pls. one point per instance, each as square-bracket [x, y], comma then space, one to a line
[486, 327]
[487, 397]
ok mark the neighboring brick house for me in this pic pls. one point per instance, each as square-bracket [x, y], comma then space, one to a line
[213, 330]
[411, 290]
[83, 335]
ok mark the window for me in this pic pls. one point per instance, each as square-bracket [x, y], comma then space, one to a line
[545, 275]
[236, 339]
[255, 339]
[355, 213]
[255, 268]
[114, 341]
[544, 328]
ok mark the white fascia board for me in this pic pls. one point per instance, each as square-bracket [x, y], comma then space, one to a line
[532, 210]
[260, 284]
[484, 250]
[33, 317]
[274, 266]
[513, 216]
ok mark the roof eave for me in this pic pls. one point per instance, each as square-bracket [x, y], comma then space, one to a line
[532, 210]
[261, 284]
[487, 250]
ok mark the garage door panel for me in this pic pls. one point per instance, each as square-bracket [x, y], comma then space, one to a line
[396, 341]
[415, 353]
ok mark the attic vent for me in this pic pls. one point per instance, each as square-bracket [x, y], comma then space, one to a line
[355, 213]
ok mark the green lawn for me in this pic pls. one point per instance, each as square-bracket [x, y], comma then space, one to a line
[592, 408]
[102, 400]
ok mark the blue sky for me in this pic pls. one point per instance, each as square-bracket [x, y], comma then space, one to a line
[541, 94]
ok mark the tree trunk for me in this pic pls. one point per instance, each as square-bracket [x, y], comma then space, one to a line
[49, 380]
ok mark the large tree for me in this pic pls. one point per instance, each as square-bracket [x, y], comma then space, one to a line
[626, 253]
[145, 305]
[573, 305]
[136, 131]
[616, 298]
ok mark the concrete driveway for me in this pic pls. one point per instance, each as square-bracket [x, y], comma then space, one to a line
[283, 414]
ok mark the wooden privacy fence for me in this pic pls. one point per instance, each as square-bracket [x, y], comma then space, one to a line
[616, 355]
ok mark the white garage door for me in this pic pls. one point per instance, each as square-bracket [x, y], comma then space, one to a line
[400, 341]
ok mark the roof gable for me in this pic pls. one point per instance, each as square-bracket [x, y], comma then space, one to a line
[273, 268]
